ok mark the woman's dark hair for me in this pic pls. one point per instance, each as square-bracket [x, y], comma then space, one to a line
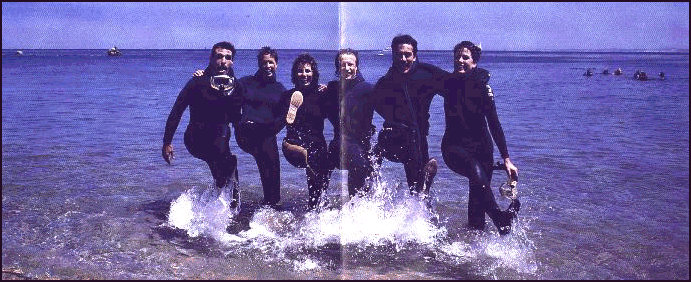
[337, 60]
[475, 51]
[266, 50]
[404, 39]
[305, 59]
[224, 45]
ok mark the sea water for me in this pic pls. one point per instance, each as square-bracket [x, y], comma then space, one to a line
[603, 164]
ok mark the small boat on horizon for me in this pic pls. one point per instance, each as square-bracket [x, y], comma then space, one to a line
[384, 51]
[114, 52]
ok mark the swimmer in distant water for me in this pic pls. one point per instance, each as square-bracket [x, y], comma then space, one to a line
[304, 145]
[350, 112]
[467, 147]
[662, 75]
[213, 102]
[606, 71]
[618, 71]
[588, 72]
[403, 97]
[640, 75]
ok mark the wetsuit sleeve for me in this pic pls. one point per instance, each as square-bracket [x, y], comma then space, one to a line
[493, 122]
[179, 107]
[236, 100]
[331, 104]
[375, 97]
[437, 82]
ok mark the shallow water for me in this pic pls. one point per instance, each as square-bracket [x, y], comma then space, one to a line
[603, 163]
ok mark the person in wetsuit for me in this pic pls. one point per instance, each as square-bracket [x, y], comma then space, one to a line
[403, 97]
[350, 112]
[213, 102]
[261, 120]
[471, 125]
[304, 145]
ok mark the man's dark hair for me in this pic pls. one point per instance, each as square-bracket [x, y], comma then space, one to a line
[475, 51]
[337, 60]
[267, 50]
[404, 39]
[224, 45]
[305, 59]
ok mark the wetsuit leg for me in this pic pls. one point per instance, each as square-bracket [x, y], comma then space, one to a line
[481, 199]
[211, 144]
[318, 172]
[265, 153]
[415, 162]
[269, 170]
[317, 167]
[359, 168]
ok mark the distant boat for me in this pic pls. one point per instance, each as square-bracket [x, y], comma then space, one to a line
[384, 51]
[114, 51]
[19, 53]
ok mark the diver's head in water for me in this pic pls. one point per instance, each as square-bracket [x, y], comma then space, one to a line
[466, 55]
[347, 63]
[305, 74]
[221, 59]
[267, 62]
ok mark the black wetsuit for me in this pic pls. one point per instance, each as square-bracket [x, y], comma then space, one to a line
[208, 134]
[353, 129]
[307, 131]
[467, 148]
[403, 100]
[255, 133]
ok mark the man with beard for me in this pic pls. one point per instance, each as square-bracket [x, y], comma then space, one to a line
[403, 97]
[213, 101]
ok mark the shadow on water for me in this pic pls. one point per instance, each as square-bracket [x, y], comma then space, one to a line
[159, 209]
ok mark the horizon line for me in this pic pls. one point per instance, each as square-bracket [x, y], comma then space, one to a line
[676, 50]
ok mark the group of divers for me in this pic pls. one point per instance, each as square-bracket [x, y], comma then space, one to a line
[638, 75]
[259, 107]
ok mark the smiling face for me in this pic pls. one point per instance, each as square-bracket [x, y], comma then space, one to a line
[348, 66]
[221, 61]
[403, 57]
[463, 61]
[304, 75]
[268, 65]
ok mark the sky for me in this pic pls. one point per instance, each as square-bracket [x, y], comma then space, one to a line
[331, 25]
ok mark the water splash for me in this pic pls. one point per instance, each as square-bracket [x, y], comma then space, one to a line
[204, 211]
[381, 224]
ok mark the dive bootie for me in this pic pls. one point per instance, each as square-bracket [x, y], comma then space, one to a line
[295, 103]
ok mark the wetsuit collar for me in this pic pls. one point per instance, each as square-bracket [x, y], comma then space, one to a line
[259, 76]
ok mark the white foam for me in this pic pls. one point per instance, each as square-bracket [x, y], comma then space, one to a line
[204, 211]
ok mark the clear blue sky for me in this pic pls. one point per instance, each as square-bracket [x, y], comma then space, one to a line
[331, 25]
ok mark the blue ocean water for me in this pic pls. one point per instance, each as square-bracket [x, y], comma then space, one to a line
[603, 160]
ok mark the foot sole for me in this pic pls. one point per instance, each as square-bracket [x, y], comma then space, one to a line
[295, 103]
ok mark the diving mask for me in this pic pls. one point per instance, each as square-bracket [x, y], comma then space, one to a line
[224, 83]
[509, 189]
